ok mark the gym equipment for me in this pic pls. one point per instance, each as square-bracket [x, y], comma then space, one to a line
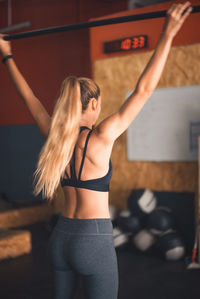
[160, 220]
[15, 27]
[128, 223]
[193, 263]
[124, 19]
[14, 243]
[171, 245]
[142, 202]
[121, 239]
[144, 240]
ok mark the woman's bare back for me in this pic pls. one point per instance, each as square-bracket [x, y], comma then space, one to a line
[84, 203]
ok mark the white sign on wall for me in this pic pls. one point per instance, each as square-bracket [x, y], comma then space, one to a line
[168, 126]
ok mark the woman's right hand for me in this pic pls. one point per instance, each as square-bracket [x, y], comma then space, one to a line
[175, 18]
[5, 46]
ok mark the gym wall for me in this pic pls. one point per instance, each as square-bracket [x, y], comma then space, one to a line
[118, 73]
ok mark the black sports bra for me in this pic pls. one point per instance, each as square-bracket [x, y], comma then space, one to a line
[100, 184]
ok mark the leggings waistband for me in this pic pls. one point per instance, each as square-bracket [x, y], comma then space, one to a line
[84, 226]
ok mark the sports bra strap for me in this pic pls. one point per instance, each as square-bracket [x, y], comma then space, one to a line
[67, 175]
[83, 159]
[72, 166]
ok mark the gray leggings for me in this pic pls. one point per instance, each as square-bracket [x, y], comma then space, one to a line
[83, 247]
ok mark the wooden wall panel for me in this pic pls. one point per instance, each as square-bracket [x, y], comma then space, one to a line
[115, 77]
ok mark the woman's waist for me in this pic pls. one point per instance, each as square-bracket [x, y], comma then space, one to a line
[86, 212]
[81, 226]
[83, 204]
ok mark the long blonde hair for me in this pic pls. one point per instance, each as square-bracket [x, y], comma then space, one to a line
[57, 151]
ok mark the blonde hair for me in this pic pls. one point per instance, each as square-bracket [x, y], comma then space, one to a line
[57, 151]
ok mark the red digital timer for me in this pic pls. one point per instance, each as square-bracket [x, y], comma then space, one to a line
[126, 44]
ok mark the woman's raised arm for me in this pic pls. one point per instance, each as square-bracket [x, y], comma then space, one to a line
[33, 104]
[113, 126]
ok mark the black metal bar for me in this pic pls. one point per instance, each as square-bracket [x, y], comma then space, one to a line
[124, 19]
[15, 27]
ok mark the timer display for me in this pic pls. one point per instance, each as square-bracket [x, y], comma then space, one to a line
[126, 44]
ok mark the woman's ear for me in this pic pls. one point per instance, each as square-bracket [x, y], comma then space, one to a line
[94, 103]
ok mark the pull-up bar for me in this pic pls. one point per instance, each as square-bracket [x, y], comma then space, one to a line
[124, 19]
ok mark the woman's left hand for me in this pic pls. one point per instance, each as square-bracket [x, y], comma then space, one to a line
[176, 15]
[5, 46]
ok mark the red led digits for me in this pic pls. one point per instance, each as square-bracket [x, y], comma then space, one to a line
[135, 43]
[141, 41]
[126, 44]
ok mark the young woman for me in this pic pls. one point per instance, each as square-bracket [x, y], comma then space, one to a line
[77, 155]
